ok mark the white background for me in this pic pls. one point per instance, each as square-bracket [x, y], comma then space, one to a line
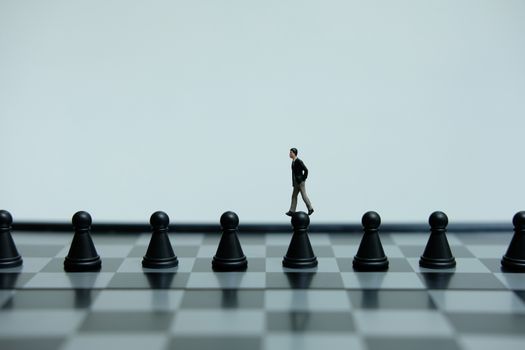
[124, 107]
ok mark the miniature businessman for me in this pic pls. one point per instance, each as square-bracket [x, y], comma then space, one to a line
[299, 175]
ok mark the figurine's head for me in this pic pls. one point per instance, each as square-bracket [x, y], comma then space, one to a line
[293, 153]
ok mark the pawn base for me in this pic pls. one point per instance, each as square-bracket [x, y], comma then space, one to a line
[82, 265]
[365, 264]
[294, 263]
[433, 263]
[510, 264]
[238, 264]
[10, 262]
[162, 263]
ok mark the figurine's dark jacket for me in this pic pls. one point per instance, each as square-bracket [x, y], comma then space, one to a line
[299, 172]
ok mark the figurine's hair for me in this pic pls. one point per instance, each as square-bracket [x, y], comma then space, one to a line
[294, 150]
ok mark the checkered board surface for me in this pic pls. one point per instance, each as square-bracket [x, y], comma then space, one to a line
[474, 306]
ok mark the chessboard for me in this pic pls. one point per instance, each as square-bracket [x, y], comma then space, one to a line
[124, 306]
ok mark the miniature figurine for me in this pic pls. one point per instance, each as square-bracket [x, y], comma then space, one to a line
[299, 175]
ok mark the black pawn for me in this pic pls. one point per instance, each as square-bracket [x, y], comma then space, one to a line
[160, 254]
[437, 254]
[370, 255]
[82, 254]
[229, 255]
[300, 254]
[514, 259]
[9, 256]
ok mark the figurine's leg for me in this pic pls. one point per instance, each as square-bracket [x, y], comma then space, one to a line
[302, 189]
[295, 193]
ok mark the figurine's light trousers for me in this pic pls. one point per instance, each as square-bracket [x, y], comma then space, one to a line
[296, 189]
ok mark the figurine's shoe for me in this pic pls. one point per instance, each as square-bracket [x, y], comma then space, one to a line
[310, 211]
[289, 213]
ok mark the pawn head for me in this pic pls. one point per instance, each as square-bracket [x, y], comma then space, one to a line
[5, 218]
[300, 219]
[229, 220]
[371, 220]
[159, 219]
[438, 220]
[81, 219]
[519, 220]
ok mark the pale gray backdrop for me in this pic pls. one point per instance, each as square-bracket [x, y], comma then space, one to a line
[126, 107]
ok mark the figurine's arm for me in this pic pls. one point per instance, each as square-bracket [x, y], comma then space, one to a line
[304, 171]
